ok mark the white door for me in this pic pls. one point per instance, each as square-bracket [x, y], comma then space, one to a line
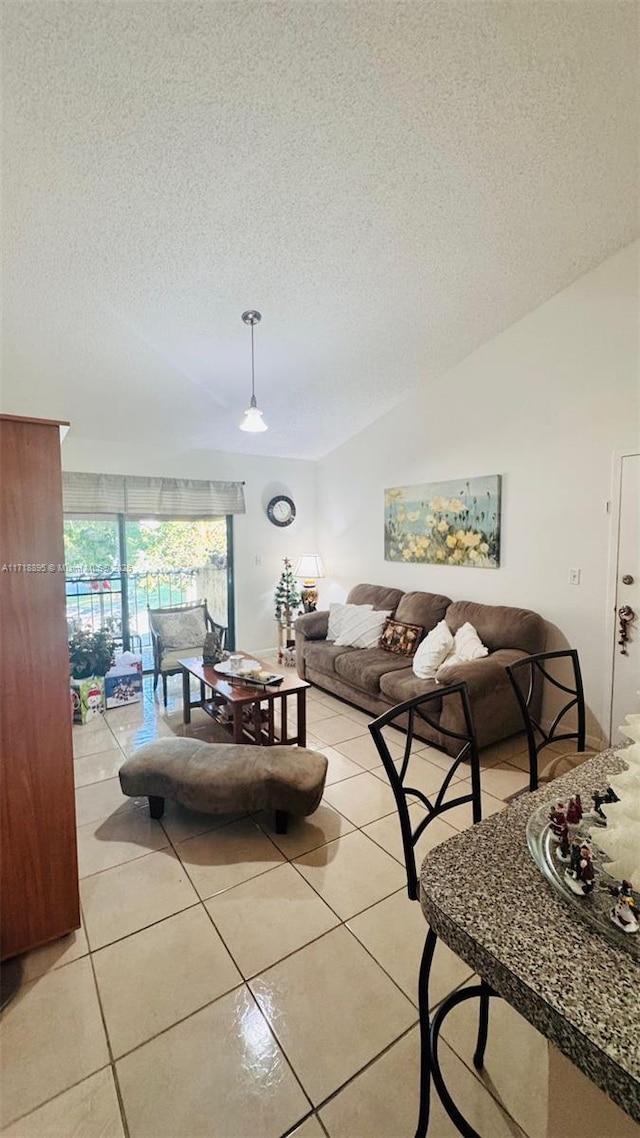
[626, 658]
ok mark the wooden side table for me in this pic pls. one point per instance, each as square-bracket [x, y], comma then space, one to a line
[286, 640]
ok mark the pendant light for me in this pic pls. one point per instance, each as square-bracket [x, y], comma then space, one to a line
[253, 420]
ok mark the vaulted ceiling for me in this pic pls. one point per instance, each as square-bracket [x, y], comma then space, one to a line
[391, 184]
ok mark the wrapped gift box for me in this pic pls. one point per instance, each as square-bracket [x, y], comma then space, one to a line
[123, 682]
[88, 699]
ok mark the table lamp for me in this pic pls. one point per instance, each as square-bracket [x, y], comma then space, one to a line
[309, 567]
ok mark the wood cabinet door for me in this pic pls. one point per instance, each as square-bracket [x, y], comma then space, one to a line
[38, 867]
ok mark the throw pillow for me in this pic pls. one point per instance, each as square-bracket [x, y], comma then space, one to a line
[433, 651]
[467, 645]
[362, 627]
[337, 614]
[400, 638]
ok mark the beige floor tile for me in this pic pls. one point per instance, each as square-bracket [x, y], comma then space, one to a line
[268, 917]
[90, 740]
[351, 873]
[54, 955]
[131, 738]
[218, 1072]
[305, 834]
[160, 975]
[317, 711]
[363, 751]
[180, 823]
[325, 1001]
[504, 751]
[96, 768]
[336, 729]
[119, 838]
[129, 897]
[88, 1110]
[340, 767]
[394, 932]
[102, 800]
[422, 775]
[383, 1101]
[503, 780]
[386, 832]
[361, 799]
[513, 1046]
[461, 817]
[51, 1036]
[311, 1128]
[222, 858]
[362, 717]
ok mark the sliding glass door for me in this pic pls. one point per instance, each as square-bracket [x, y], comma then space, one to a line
[117, 568]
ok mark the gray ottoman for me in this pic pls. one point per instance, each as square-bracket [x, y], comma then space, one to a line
[222, 778]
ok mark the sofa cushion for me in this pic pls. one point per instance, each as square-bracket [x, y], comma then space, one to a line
[400, 638]
[364, 667]
[321, 655]
[398, 686]
[427, 609]
[377, 595]
[500, 626]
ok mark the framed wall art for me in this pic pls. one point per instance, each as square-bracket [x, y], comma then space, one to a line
[444, 523]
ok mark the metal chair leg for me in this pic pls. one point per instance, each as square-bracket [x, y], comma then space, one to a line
[483, 1026]
[425, 1042]
[164, 689]
[483, 991]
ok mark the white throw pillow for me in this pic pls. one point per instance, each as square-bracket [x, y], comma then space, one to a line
[337, 614]
[362, 627]
[432, 651]
[467, 645]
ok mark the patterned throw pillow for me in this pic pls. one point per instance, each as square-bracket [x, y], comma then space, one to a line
[400, 638]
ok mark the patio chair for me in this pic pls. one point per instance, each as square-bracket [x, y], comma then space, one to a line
[178, 631]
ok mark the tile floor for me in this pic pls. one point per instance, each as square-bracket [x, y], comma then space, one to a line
[230, 981]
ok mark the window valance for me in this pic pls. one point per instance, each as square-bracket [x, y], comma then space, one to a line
[139, 497]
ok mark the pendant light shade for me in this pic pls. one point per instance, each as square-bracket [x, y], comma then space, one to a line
[253, 420]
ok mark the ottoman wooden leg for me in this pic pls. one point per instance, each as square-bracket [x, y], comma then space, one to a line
[156, 806]
[282, 821]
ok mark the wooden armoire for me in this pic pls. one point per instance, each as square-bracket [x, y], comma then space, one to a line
[38, 866]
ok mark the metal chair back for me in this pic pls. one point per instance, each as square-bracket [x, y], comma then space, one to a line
[529, 677]
[428, 709]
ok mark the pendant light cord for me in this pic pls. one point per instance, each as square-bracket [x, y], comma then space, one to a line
[253, 386]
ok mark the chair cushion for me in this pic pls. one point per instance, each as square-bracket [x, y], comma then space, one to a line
[221, 778]
[170, 659]
[180, 629]
[363, 667]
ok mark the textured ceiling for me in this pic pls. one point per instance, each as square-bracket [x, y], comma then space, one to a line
[391, 184]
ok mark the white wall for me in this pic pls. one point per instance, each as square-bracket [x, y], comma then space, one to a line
[254, 535]
[545, 404]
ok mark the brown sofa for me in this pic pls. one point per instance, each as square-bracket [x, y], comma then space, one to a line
[374, 679]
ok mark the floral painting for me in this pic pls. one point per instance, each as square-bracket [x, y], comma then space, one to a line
[444, 523]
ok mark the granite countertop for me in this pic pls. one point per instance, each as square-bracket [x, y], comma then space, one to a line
[483, 895]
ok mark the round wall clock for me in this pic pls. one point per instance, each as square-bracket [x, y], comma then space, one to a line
[281, 510]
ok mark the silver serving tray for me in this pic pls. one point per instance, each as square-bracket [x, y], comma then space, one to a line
[596, 906]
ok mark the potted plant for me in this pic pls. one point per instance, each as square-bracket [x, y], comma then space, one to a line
[90, 653]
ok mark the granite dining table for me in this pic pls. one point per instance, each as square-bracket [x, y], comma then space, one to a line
[485, 897]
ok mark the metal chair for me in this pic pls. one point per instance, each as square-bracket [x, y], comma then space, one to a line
[404, 716]
[178, 630]
[528, 677]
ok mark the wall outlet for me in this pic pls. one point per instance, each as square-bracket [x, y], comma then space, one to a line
[258, 559]
[574, 576]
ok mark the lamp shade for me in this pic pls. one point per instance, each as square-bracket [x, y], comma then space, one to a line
[310, 567]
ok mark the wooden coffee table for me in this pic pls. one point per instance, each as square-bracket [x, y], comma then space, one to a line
[252, 708]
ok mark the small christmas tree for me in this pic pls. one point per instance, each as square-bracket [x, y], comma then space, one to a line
[287, 594]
